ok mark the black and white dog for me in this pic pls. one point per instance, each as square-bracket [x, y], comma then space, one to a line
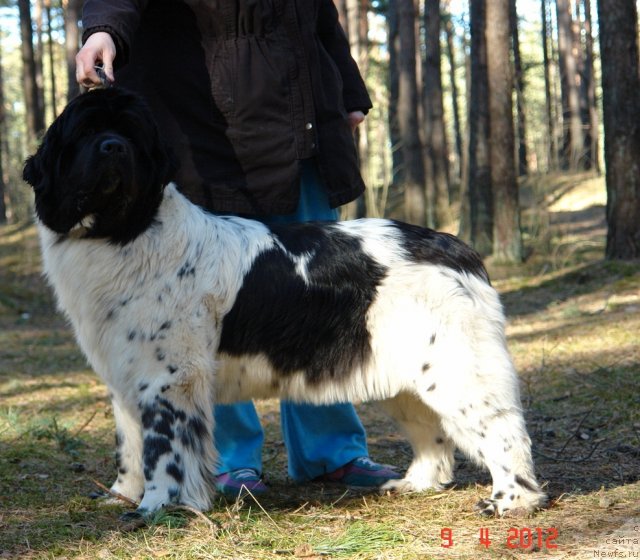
[178, 309]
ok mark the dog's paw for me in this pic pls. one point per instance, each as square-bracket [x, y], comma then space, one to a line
[398, 486]
[487, 507]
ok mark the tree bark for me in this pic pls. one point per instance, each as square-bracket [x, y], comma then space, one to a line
[589, 78]
[455, 107]
[51, 58]
[552, 151]
[478, 183]
[72, 15]
[523, 167]
[3, 154]
[573, 138]
[618, 21]
[354, 23]
[397, 163]
[507, 238]
[435, 134]
[35, 118]
[412, 176]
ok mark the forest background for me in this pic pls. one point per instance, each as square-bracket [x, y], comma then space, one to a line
[513, 124]
[469, 96]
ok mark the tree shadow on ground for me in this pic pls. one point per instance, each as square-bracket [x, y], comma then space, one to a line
[582, 280]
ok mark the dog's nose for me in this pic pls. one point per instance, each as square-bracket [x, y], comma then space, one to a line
[112, 146]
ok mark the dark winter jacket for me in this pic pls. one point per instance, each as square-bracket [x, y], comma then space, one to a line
[243, 90]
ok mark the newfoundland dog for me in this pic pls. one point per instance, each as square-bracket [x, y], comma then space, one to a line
[178, 309]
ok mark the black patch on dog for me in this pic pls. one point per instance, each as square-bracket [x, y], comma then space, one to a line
[176, 472]
[319, 327]
[154, 448]
[525, 483]
[429, 246]
[193, 434]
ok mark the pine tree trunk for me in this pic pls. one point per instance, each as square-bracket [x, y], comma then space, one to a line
[435, 135]
[519, 86]
[35, 118]
[412, 172]
[397, 162]
[618, 21]
[72, 13]
[52, 66]
[464, 228]
[507, 239]
[552, 151]
[478, 184]
[589, 78]
[455, 109]
[3, 154]
[39, 54]
[583, 85]
[573, 141]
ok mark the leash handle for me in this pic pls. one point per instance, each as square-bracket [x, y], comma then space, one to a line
[103, 77]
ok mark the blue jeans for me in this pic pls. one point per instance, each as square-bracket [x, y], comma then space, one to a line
[319, 439]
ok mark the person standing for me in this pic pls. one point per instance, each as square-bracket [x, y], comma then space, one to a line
[259, 100]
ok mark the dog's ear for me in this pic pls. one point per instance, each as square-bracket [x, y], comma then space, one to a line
[32, 172]
[38, 167]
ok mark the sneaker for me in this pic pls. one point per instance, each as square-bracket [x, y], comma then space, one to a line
[240, 482]
[361, 472]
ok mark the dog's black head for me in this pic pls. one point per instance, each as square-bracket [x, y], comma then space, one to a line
[102, 161]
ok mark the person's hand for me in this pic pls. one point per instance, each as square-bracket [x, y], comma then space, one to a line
[354, 119]
[98, 49]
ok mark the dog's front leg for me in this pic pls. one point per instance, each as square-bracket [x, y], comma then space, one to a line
[130, 480]
[177, 446]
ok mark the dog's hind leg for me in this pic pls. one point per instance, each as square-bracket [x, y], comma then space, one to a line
[432, 465]
[496, 437]
[473, 387]
[178, 453]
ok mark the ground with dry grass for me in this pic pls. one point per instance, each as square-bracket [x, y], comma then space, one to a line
[574, 324]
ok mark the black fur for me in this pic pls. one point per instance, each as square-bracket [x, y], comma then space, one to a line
[126, 183]
[325, 317]
[428, 246]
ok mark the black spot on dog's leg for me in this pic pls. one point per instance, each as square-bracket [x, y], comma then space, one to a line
[525, 484]
[176, 472]
[154, 448]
